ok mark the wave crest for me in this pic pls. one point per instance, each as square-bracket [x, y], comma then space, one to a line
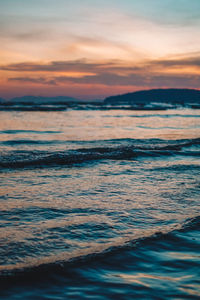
[125, 150]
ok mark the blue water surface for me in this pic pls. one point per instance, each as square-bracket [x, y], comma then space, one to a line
[99, 204]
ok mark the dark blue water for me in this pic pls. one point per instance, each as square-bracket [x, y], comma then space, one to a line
[99, 204]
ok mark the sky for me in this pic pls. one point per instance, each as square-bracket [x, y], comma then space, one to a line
[91, 49]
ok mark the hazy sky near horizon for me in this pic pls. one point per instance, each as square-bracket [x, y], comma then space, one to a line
[92, 48]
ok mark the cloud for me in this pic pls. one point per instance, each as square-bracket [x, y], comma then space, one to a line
[38, 80]
[111, 79]
[84, 65]
[20, 29]
[55, 66]
[187, 61]
[113, 73]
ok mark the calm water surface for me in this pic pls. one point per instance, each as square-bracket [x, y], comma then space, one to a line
[100, 204]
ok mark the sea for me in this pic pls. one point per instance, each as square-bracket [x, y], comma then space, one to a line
[99, 203]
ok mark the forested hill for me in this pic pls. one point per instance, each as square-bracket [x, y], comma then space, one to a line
[173, 96]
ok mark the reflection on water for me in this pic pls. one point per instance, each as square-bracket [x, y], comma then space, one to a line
[90, 201]
[98, 125]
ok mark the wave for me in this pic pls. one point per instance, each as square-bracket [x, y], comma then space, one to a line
[29, 142]
[58, 263]
[127, 150]
[15, 131]
[178, 167]
[33, 108]
[150, 115]
[150, 144]
[62, 106]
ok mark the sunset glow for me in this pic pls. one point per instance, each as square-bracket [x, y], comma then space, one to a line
[92, 49]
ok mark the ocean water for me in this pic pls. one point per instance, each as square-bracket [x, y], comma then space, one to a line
[100, 204]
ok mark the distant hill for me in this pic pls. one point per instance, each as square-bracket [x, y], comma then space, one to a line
[168, 96]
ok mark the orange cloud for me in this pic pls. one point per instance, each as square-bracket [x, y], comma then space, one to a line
[100, 77]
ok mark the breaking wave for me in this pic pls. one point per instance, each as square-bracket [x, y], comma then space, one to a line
[53, 264]
[132, 149]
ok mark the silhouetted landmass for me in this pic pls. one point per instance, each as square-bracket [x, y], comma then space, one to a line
[166, 96]
[156, 99]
